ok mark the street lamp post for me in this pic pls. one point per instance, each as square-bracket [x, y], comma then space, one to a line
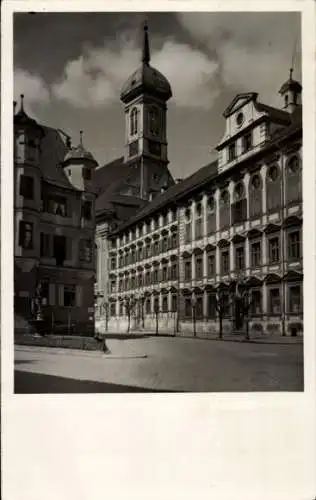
[193, 304]
[156, 305]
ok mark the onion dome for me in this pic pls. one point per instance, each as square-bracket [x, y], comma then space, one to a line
[291, 84]
[79, 153]
[146, 78]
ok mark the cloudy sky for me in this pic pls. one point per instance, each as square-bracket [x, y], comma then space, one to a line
[71, 67]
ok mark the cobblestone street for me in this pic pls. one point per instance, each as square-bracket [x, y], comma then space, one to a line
[161, 364]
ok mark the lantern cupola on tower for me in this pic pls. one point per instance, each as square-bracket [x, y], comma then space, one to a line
[291, 93]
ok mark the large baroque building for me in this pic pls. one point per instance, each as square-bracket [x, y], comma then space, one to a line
[235, 225]
[54, 227]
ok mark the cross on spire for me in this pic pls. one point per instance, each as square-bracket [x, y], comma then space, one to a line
[291, 73]
[146, 51]
[22, 103]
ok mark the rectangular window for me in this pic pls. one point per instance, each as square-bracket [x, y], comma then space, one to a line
[187, 308]
[187, 270]
[69, 295]
[240, 258]
[225, 262]
[211, 305]
[164, 273]
[45, 293]
[211, 271]
[121, 312]
[294, 245]
[86, 211]
[54, 204]
[155, 275]
[27, 187]
[188, 233]
[45, 250]
[239, 211]
[174, 240]
[147, 278]
[199, 268]
[86, 173]
[256, 302]
[247, 142]
[26, 235]
[274, 301]
[113, 286]
[198, 228]
[113, 263]
[232, 151]
[295, 299]
[85, 251]
[112, 309]
[256, 254]
[59, 249]
[165, 303]
[174, 303]
[148, 306]
[174, 273]
[165, 244]
[199, 307]
[274, 251]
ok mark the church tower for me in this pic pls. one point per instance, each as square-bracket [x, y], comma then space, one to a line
[144, 96]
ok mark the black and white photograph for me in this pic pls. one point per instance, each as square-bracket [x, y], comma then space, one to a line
[158, 202]
[158, 250]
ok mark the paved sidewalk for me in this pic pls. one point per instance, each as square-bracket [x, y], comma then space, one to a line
[229, 337]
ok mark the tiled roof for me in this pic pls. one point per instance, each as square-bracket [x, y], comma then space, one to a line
[274, 113]
[175, 192]
[53, 151]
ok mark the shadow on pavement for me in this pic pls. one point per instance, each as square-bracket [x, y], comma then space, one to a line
[24, 361]
[38, 383]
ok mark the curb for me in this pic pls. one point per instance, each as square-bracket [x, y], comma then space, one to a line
[78, 352]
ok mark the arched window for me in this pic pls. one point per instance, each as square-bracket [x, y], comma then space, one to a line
[133, 121]
[255, 196]
[188, 226]
[273, 188]
[239, 207]
[224, 211]
[211, 215]
[293, 180]
[153, 117]
[198, 221]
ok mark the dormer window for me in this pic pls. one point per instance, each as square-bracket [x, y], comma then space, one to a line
[232, 151]
[247, 142]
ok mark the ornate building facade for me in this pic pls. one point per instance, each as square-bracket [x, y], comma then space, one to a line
[54, 227]
[232, 230]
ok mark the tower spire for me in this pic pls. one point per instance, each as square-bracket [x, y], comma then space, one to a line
[146, 51]
[22, 103]
[81, 140]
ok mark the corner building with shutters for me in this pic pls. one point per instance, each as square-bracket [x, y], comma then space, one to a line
[54, 227]
[236, 222]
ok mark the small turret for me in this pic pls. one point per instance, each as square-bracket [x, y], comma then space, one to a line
[79, 166]
[291, 92]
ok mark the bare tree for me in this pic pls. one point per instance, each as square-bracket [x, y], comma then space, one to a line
[220, 307]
